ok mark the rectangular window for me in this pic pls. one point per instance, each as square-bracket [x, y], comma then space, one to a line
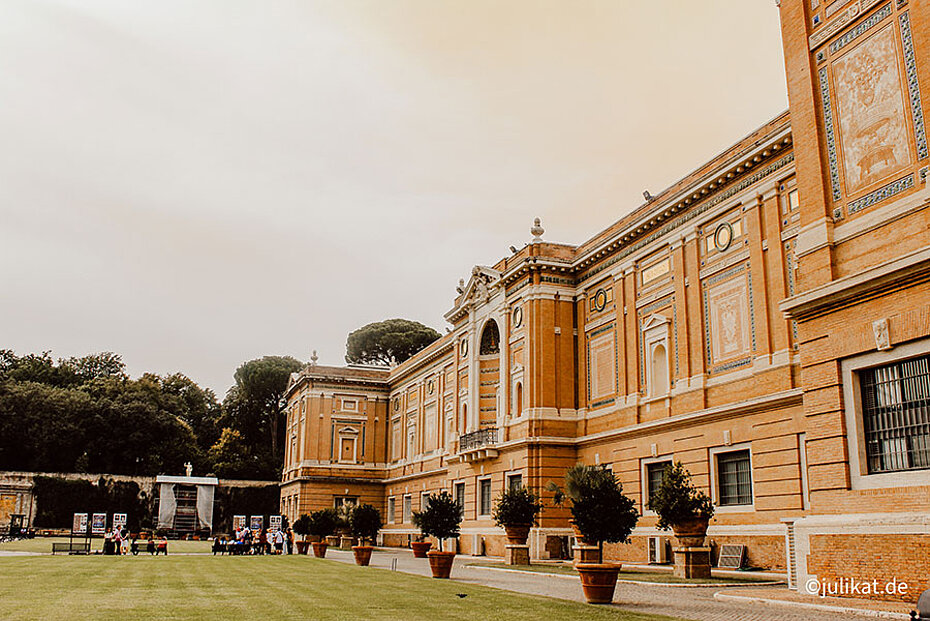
[514, 481]
[408, 510]
[896, 415]
[390, 510]
[654, 475]
[460, 494]
[423, 497]
[345, 501]
[734, 478]
[484, 497]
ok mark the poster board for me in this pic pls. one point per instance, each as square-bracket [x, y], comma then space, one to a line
[79, 524]
[98, 524]
[238, 522]
[274, 523]
[119, 521]
[256, 523]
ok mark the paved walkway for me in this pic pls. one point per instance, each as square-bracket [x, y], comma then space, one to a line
[695, 603]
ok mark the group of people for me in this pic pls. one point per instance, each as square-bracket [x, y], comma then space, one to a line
[117, 541]
[263, 541]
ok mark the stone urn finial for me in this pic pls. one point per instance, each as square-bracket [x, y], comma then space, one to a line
[313, 358]
[536, 231]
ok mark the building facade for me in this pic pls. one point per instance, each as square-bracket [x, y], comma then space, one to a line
[765, 321]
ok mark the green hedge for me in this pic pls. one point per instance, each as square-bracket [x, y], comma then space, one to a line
[58, 499]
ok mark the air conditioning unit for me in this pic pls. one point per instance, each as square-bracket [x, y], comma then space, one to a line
[658, 550]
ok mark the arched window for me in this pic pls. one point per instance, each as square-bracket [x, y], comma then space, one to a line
[490, 339]
[518, 399]
[659, 370]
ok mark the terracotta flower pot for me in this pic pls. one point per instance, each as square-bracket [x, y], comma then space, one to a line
[319, 549]
[440, 563]
[691, 533]
[517, 534]
[362, 555]
[598, 581]
[420, 548]
[302, 546]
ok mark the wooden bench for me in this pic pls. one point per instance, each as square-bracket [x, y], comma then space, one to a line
[72, 547]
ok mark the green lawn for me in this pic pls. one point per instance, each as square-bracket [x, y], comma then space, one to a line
[660, 577]
[288, 587]
[44, 545]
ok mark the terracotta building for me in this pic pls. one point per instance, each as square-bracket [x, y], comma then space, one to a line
[765, 320]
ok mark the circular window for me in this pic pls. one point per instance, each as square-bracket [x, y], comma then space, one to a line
[517, 317]
[723, 236]
[463, 347]
[600, 300]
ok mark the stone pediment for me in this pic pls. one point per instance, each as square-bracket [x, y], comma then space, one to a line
[482, 285]
[655, 321]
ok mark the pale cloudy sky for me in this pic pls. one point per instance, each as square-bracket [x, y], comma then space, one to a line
[195, 183]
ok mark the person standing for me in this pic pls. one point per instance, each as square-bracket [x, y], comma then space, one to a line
[278, 542]
[289, 541]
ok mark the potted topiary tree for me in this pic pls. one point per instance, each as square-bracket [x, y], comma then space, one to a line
[302, 527]
[364, 522]
[322, 525]
[515, 510]
[602, 514]
[681, 506]
[687, 511]
[441, 519]
[577, 478]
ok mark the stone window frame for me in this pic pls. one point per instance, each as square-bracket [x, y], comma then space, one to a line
[479, 497]
[391, 509]
[668, 458]
[455, 487]
[407, 509]
[510, 474]
[859, 478]
[715, 478]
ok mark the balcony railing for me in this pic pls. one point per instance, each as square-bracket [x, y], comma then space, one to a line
[477, 439]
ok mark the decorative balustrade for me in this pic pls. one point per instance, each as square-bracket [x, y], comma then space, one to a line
[478, 439]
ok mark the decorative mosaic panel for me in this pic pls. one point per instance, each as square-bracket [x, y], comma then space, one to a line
[831, 136]
[913, 87]
[854, 33]
[602, 366]
[729, 318]
[895, 187]
[869, 107]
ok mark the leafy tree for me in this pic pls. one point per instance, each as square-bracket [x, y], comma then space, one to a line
[323, 523]
[601, 511]
[441, 518]
[232, 458]
[365, 522]
[388, 342]
[254, 408]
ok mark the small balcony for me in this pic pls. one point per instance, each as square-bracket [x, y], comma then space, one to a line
[477, 445]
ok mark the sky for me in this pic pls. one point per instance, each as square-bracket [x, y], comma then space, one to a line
[197, 183]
